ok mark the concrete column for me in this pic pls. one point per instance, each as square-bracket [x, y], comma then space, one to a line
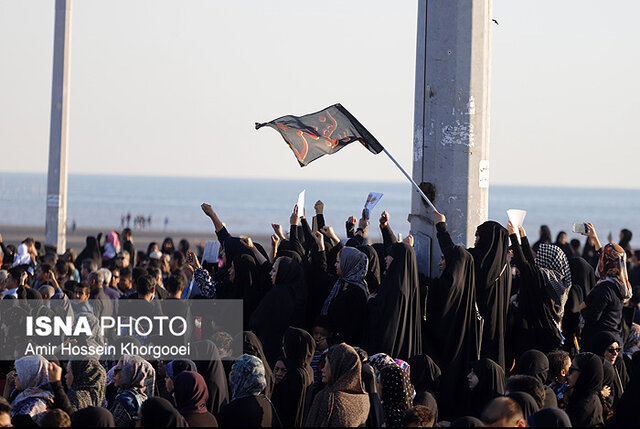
[451, 124]
[56, 218]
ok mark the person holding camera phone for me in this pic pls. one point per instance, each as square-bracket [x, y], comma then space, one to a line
[602, 307]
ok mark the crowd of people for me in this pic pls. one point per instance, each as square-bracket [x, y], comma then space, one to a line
[345, 332]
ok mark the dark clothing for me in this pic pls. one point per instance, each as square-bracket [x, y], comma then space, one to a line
[278, 309]
[251, 345]
[395, 322]
[129, 247]
[584, 407]
[603, 312]
[214, 376]
[537, 324]
[490, 385]
[452, 330]
[251, 411]
[102, 304]
[292, 396]
[583, 279]
[493, 284]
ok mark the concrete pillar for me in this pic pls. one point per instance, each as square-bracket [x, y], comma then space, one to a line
[451, 124]
[56, 217]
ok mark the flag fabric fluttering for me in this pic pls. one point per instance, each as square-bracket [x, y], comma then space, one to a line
[322, 133]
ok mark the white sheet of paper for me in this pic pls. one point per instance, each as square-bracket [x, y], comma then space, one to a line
[211, 251]
[301, 203]
[516, 216]
[372, 200]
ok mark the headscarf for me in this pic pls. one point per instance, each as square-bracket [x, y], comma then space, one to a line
[549, 418]
[32, 371]
[353, 264]
[395, 319]
[251, 345]
[175, 367]
[534, 363]
[89, 384]
[159, 413]
[526, 402]
[381, 360]
[612, 266]
[35, 396]
[190, 392]
[22, 256]
[554, 267]
[583, 279]
[91, 251]
[425, 374]
[213, 373]
[339, 403]
[112, 248]
[96, 417]
[490, 254]
[490, 385]
[395, 395]
[590, 377]
[134, 373]
[631, 344]
[373, 277]
[247, 377]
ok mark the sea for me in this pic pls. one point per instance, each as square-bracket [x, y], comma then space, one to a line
[250, 206]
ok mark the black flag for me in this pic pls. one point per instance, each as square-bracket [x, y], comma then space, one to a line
[324, 132]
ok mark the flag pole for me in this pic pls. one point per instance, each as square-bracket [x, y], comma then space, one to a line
[410, 179]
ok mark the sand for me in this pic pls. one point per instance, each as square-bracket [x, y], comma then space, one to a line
[141, 238]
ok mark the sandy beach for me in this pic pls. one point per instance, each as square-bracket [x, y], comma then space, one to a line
[12, 234]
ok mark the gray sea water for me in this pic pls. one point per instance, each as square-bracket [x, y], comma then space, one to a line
[251, 205]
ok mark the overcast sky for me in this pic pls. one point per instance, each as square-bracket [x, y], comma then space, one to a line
[163, 87]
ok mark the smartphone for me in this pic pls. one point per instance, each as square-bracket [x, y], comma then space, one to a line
[580, 228]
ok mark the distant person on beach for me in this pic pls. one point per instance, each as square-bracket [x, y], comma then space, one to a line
[545, 238]
[166, 222]
[128, 219]
[128, 246]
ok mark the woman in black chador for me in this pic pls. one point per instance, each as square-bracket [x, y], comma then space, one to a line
[394, 311]
[452, 336]
[492, 283]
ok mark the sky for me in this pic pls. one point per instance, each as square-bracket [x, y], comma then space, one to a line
[173, 88]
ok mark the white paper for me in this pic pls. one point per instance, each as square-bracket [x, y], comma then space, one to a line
[301, 203]
[516, 216]
[211, 251]
[372, 200]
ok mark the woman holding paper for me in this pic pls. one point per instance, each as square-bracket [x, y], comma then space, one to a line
[544, 287]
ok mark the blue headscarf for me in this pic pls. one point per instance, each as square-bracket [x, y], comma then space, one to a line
[247, 377]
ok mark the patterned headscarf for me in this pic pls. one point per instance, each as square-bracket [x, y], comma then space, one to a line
[247, 377]
[612, 266]
[35, 398]
[380, 361]
[353, 264]
[554, 266]
[395, 395]
[89, 384]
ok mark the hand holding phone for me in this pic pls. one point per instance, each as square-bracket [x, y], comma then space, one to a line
[580, 228]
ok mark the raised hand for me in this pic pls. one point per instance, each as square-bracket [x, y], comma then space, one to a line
[247, 242]
[275, 240]
[319, 240]
[55, 372]
[510, 228]
[294, 216]
[277, 228]
[522, 232]
[329, 232]
[438, 217]
[319, 207]
[384, 218]
[352, 220]
[409, 240]
[208, 210]
[192, 260]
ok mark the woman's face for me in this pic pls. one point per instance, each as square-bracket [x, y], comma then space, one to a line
[574, 373]
[338, 267]
[279, 371]
[475, 242]
[562, 239]
[326, 371]
[612, 352]
[472, 379]
[69, 377]
[388, 260]
[274, 271]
